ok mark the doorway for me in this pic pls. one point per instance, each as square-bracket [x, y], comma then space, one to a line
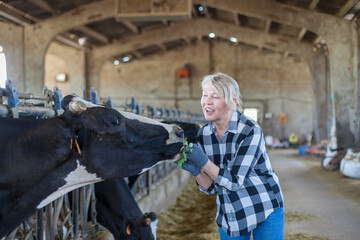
[252, 113]
[3, 74]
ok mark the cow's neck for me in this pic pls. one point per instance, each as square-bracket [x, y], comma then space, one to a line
[65, 178]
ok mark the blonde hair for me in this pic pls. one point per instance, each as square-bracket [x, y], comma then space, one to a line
[227, 88]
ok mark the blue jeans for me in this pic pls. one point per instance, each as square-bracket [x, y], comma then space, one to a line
[271, 229]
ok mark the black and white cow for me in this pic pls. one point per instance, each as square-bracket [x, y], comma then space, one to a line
[43, 159]
[118, 211]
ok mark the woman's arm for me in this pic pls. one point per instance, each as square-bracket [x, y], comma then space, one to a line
[211, 169]
[204, 179]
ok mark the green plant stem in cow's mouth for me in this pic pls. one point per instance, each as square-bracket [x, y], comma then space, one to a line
[183, 154]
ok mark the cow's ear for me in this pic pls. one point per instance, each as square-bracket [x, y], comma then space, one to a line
[128, 229]
[148, 218]
[65, 102]
[145, 220]
[72, 106]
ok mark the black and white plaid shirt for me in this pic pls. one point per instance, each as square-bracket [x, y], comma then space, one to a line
[247, 188]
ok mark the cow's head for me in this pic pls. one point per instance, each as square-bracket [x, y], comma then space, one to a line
[117, 144]
[143, 229]
[190, 129]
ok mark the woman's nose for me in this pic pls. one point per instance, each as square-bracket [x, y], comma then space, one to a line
[208, 101]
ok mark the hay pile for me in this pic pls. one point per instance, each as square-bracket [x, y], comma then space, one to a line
[192, 217]
[304, 236]
[297, 217]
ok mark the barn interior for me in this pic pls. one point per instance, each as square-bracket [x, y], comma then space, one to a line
[296, 61]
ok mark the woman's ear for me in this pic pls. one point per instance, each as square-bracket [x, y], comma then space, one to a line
[235, 100]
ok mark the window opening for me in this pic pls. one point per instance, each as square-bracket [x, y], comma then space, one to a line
[252, 113]
[3, 74]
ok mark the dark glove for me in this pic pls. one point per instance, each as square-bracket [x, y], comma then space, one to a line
[191, 168]
[196, 155]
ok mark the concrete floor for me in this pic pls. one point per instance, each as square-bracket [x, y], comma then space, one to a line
[323, 211]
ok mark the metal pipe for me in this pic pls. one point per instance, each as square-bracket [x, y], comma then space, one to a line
[4, 110]
[30, 111]
[35, 97]
[33, 111]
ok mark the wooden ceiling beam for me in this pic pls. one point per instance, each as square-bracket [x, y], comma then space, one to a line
[301, 34]
[236, 19]
[132, 27]
[19, 19]
[94, 34]
[137, 54]
[187, 40]
[46, 6]
[318, 39]
[13, 16]
[267, 30]
[67, 41]
[286, 54]
[313, 4]
[162, 47]
[347, 6]
[312, 7]
[267, 25]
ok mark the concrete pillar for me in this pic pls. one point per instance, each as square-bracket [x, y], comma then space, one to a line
[343, 60]
[321, 96]
[11, 39]
[357, 135]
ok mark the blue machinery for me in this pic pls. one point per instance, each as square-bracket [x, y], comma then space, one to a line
[65, 218]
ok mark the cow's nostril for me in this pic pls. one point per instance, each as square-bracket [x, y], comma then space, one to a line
[180, 133]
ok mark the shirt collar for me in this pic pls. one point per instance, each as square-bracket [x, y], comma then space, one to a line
[233, 125]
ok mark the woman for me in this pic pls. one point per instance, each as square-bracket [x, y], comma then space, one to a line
[231, 161]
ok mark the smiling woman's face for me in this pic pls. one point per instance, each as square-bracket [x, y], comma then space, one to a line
[213, 106]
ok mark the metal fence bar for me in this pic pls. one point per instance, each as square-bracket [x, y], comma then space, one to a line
[75, 209]
[40, 224]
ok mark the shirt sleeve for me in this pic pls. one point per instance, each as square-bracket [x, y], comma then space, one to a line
[210, 191]
[246, 157]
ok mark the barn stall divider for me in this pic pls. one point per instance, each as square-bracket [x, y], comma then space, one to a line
[73, 215]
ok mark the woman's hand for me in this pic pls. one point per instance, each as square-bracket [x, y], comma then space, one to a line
[196, 155]
[191, 168]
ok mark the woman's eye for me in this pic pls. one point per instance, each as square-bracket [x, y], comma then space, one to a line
[116, 122]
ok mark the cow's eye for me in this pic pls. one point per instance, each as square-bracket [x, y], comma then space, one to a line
[116, 122]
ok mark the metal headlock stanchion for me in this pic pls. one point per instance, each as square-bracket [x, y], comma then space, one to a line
[40, 106]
